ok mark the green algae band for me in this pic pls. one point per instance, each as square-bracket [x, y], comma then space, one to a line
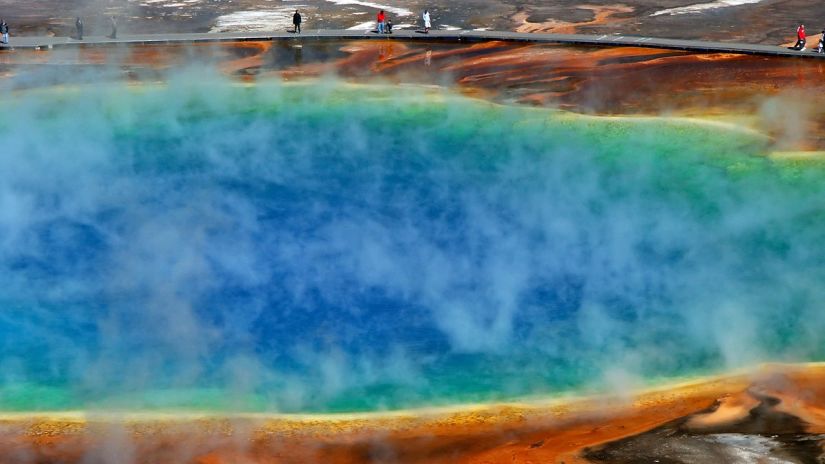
[322, 247]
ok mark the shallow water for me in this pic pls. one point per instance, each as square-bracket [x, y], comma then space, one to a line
[324, 247]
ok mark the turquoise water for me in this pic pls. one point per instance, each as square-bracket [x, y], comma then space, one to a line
[324, 247]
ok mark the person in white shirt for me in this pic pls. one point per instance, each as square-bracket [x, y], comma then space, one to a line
[426, 17]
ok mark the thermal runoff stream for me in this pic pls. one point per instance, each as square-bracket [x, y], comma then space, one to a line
[324, 247]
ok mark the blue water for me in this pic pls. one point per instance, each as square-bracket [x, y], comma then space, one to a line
[328, 248]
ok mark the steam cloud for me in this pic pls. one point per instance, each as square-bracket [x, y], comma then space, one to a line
[320, 247]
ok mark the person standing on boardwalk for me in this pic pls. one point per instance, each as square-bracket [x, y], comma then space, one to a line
[4, 30]
[426, 18]
[78, 24]
[800, 38]
[296, 21]
[114, 27]
[380, 20]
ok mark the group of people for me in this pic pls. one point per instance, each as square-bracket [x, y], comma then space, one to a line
[802, 39]
[384, 25]
[78, 25]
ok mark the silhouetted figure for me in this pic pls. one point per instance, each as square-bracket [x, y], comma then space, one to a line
[78, 24]
[388, 28]
[4, 30]
[296, 21]
[114, 28]
[426, 18]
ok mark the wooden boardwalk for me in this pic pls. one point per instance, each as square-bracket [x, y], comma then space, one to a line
[458, 36]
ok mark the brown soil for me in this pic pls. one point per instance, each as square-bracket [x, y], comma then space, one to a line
[556, 432]
[778, 96]
[602, 15]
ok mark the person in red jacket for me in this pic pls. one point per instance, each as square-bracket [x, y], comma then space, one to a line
[380, 19]
[800, 38]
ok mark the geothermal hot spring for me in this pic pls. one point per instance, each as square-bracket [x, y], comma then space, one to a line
[326, 247]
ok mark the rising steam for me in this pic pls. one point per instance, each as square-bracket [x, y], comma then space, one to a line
[330, 247]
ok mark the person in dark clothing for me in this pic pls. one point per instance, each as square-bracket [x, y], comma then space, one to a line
[4, 31]
[388, 27]
[296, 21]
[78, 24]
[114, 28]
